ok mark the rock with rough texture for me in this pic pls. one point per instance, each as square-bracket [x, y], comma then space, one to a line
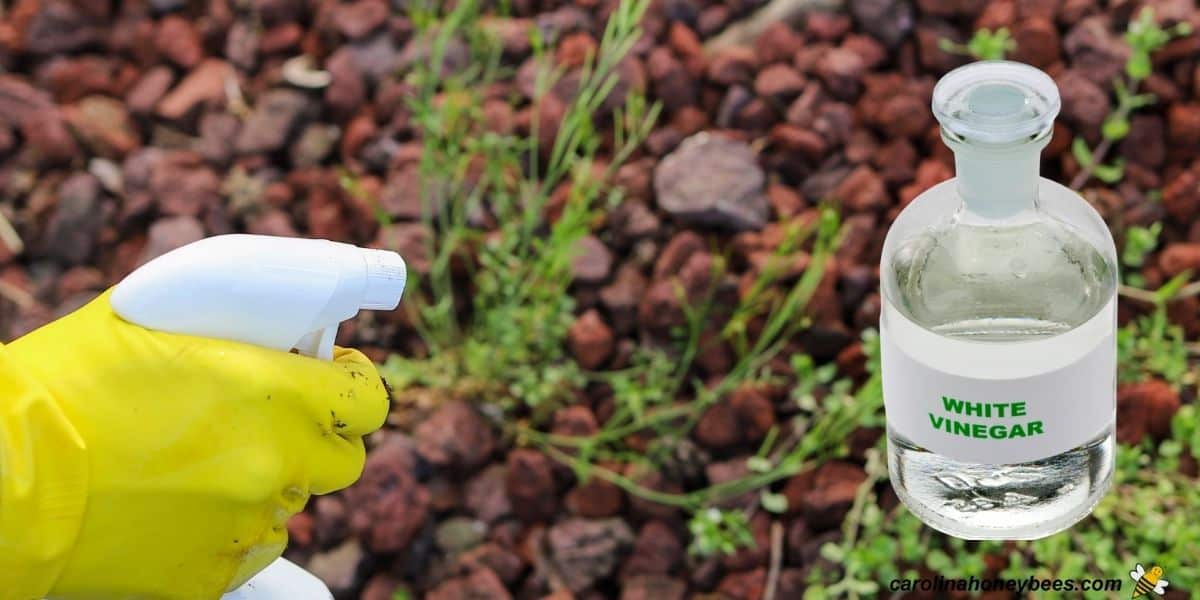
[338, 567]
[889, 21]
[70, 235]
[653, 587]
[1145, 408]
[713, 181]
[825, 494]
[170, 233]
[529, 481]
[592, 261]
[388, 506]
[480, 584]
[455, 437]
[205, 83]
[277, 115]
[590, 340]
[486, 496]
[584, 551]
[657, 551]
[103, 125]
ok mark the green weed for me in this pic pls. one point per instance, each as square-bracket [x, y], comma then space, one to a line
[985, 44]
[510, 342]
[1144, 36]
[719, 531]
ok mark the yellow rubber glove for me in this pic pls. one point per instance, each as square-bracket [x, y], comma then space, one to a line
[143, 464]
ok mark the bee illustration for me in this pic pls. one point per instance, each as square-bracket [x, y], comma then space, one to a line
[1148, 581]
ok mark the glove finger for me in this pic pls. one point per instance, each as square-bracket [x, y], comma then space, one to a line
[336, 464]
[354, 393]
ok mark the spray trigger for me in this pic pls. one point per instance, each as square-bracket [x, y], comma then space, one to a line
[318, 343]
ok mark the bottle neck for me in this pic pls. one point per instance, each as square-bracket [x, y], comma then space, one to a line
[998, 184]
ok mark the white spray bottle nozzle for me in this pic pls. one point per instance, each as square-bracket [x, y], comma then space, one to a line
[386, 276]
[275, 292]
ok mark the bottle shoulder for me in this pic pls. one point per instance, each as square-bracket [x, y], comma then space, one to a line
[1058, 208]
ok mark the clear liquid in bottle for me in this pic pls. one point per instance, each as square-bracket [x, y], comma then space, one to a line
[998, 325]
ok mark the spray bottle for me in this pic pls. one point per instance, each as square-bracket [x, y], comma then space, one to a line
[281, 293]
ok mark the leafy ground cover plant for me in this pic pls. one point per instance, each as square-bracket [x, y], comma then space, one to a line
[1144, 36]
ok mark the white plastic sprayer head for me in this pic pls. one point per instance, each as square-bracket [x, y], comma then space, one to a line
[386, 275]
[995, 103]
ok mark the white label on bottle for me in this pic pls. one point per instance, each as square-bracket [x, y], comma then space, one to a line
[999, 420]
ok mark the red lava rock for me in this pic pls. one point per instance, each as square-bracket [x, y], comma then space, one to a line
[825, 494]
[1084, 103]
[182, 185]
[57, 26]
[300, 529]
[1181, 197]
[1037, 42]
[1146, 142]
[575, 48]
[103, 125]
[456, 437]
[410, 240]
[778, 82]
[481, 583]
[747, 585]
[575, 420]
[729, 195]
[733, 65]
[276, 116]
[1145, 407]
[485, 494]
[338, 567]
[387, 505]
[79, 280]
[889, 21]
[1183, 124]
[595, 499]
[802, 140]
[652, 587]
[827, 26]
[381, 586]
[71, 234]
[592, 261]
[39, 120]
[777, 43]
[149, 89]
[585, 551]
[862, 190]
[179, 41]
[1180, 257]
[951, 8]
[590, 340]
[929, 173]
[929, 33]
[205, 83]
[507, 565]
[530, 485]
[1095, 50]
[745, 416]
[656, 551]
[168, 234]
[785, 201]
[841, 70]
[356, 19]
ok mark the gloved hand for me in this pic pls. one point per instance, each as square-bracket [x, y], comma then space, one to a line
[137, 463]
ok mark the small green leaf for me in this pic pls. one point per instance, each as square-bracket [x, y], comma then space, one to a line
[1110, 173]
[1115, 127]
[758, 464]
[1138, 65]
[1081, 152]
[775, 503]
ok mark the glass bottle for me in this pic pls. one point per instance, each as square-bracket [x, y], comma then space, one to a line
[998, 325]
